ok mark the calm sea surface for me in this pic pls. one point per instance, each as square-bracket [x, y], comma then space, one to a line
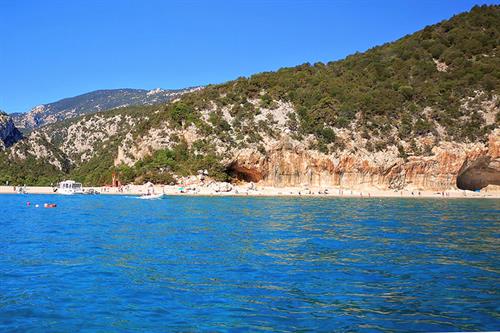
[119, 264]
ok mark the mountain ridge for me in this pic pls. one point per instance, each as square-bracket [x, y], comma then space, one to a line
[90, 102]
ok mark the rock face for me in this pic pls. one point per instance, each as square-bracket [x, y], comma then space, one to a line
[483, 170]
[221, 187]
[451, 165]
[9, 134]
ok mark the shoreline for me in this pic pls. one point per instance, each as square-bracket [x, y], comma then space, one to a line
[268, 191]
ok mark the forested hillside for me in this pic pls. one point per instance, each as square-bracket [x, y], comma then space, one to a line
[433, 79]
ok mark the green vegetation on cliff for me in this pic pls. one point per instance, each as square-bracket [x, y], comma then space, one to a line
[180, 160]
[30, 171]
[413, 85]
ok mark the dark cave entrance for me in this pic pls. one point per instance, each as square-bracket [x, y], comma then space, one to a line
[244, 174]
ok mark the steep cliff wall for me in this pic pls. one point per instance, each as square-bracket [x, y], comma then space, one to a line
[288, 163]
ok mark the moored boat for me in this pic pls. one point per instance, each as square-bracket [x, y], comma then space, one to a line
[69, 187]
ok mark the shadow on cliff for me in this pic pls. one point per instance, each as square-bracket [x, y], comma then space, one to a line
[477, 174]
[241, 173]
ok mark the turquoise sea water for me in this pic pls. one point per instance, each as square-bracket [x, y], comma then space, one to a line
[119, 264]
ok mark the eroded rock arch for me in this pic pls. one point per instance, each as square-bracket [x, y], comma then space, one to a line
[479, 173]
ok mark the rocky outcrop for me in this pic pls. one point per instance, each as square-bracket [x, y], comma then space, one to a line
[484, 170]
[289, 163]
[38, 146]
[9, 134]
[35, 118]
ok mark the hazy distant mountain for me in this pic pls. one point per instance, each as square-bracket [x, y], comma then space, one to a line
[95, 101]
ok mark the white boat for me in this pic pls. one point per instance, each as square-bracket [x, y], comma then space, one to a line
[70, 187]
[152, 196]
[151, 192]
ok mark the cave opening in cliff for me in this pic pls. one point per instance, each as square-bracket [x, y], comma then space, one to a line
[478, 175]
[244, 174]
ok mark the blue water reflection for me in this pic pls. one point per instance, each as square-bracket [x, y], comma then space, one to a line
[118, 264]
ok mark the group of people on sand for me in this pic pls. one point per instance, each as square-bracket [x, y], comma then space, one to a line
[19, 189]
[327, 192]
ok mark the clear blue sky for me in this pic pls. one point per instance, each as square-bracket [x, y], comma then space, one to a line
[60, 48]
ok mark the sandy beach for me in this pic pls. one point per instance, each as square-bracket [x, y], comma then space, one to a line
[224, 189]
